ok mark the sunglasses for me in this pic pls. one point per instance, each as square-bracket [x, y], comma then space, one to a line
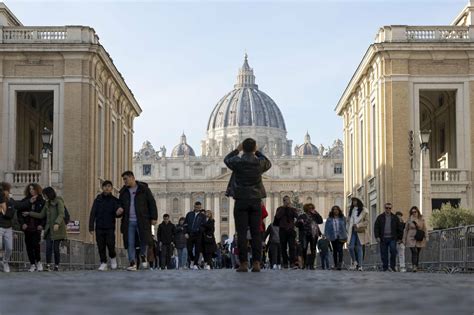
[388, 208]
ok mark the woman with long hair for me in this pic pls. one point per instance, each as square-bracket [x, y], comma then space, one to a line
[336, 233]
[308, 225]
[7, 212]
[55, 228]
[357, 232]
[415, 235]
[31, 227]
[209, 241]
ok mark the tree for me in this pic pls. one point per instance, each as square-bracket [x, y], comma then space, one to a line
[449, 217]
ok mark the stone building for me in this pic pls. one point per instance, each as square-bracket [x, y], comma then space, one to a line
[62, 78]
[311, 173]
[412, 78]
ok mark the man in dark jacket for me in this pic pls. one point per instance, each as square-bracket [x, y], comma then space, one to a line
[7, 211]
[165, 234]
[193, 221]
[139, 214]
[248, 191]
[104, 211]
[387, 231]
[286, 215]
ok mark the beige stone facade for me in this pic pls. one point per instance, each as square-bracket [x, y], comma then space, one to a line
[411, 78]
[62, 78]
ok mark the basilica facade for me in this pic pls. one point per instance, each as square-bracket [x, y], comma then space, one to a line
[307, 172]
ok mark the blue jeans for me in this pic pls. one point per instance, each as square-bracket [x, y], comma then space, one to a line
[385, 245]
[353, 246]
[6, 241]
[132, 233]
[324, 260]
[182, 257]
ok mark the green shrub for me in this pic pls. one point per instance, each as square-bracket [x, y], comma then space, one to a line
[449, 217]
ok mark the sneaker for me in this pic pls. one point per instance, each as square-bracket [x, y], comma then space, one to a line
[390, 269]
[274, 267]
[415, 269]
[144, 262]
[56, 268]
[6, 267]
[113, 263]
[359, 268]
[195, 267]
[39, 266]
[403, 269]
[32, 268]
[132, 267]
[207, 267]
[103, 267]
[279, 267]
[48, 267]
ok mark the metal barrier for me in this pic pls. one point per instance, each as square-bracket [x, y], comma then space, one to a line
[446, 250]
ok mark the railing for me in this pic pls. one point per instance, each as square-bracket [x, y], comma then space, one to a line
[65, 34]
[24, 177]
[450, 250]
[445, 175]
[448, 175]
[403, 33]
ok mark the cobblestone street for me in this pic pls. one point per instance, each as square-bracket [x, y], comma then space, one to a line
[225, 291]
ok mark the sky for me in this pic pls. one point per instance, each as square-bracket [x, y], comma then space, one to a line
[179, 58]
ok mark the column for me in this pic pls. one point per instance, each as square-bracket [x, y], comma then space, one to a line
[270, 210]
[231, 217]
[276, 201]
[217, 216]
[187, 202]
[208, 201]
[425, 186]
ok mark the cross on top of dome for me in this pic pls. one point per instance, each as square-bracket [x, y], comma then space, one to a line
[246, 78]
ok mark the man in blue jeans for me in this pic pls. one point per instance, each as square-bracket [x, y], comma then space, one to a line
[387, 231]
[139, 214]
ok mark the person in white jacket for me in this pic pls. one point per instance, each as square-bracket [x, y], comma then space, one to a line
[357, 232]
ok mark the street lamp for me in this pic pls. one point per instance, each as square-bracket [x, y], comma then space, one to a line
[424, 139]
[425, 173]
[47, 139]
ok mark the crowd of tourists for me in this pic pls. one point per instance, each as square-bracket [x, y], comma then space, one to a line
[291, 241]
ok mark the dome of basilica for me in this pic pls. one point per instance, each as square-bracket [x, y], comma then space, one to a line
[307, 148]
[182, 149]
[246, 105]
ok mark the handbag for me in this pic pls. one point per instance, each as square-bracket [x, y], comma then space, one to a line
[420, 234]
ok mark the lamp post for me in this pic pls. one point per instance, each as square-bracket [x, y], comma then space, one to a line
[47, 138]
[425, 174]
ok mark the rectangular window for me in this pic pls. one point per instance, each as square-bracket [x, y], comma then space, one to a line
[146, 169]
[309, 171]
[361, 152]
[100, 141]
[285, 171]
[338, 168]
[224, 219]
[175, 172]
[113, 153]
[223, 170]
[374, 140]
[198, 171]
